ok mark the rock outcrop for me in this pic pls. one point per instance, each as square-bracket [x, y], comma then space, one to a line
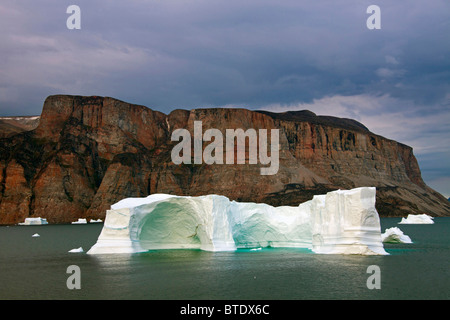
[90, 152]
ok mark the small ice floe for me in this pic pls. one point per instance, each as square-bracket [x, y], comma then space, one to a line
[417, 219]
[80, 221]
[395, 235]
[80, 249]
[33, 221]
[95, 221]
[35, 235]
[255, 249]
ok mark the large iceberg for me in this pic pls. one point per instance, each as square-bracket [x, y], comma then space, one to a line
[340, 222]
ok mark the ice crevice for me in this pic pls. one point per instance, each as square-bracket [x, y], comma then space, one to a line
[339, 222]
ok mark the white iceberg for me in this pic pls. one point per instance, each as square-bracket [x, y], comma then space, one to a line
[80, 221]
[35, 235]
[417, 219]
[77, 250]
[95, 221]
[33, 221]
[340, 222]
[395, 235]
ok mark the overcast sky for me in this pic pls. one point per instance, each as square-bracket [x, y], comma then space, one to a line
[275, 55]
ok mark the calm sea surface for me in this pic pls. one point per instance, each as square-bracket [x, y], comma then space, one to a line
[36, 268]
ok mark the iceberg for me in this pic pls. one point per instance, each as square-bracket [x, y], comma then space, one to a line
[395, 235]
[417, 219]
[36, 235]
[345, 222]
[80, 221]
[77, 250]
[33, 221]
[340, 222]
[95, 221]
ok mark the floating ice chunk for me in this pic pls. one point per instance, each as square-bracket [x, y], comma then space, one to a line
[33, 221]
[95, 221]
[35, 235]
[346, 222]
[417, 219]
[395, 235]
[340, 222]
[80, 249]
[80, 221]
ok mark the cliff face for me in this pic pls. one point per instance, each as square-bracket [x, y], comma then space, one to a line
[90, 152]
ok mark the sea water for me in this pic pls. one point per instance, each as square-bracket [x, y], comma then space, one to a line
[37, 268]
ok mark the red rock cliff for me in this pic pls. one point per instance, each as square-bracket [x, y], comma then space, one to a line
[89, 152]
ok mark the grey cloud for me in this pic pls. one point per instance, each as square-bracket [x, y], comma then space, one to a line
[254, 54]
[226, 52]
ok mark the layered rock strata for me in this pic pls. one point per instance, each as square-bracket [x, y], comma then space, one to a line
[90, 152]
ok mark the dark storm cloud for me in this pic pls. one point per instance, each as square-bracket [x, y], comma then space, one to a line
[189, 53]
[276, 55]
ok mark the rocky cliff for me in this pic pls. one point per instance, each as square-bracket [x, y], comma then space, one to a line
[90, 152]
